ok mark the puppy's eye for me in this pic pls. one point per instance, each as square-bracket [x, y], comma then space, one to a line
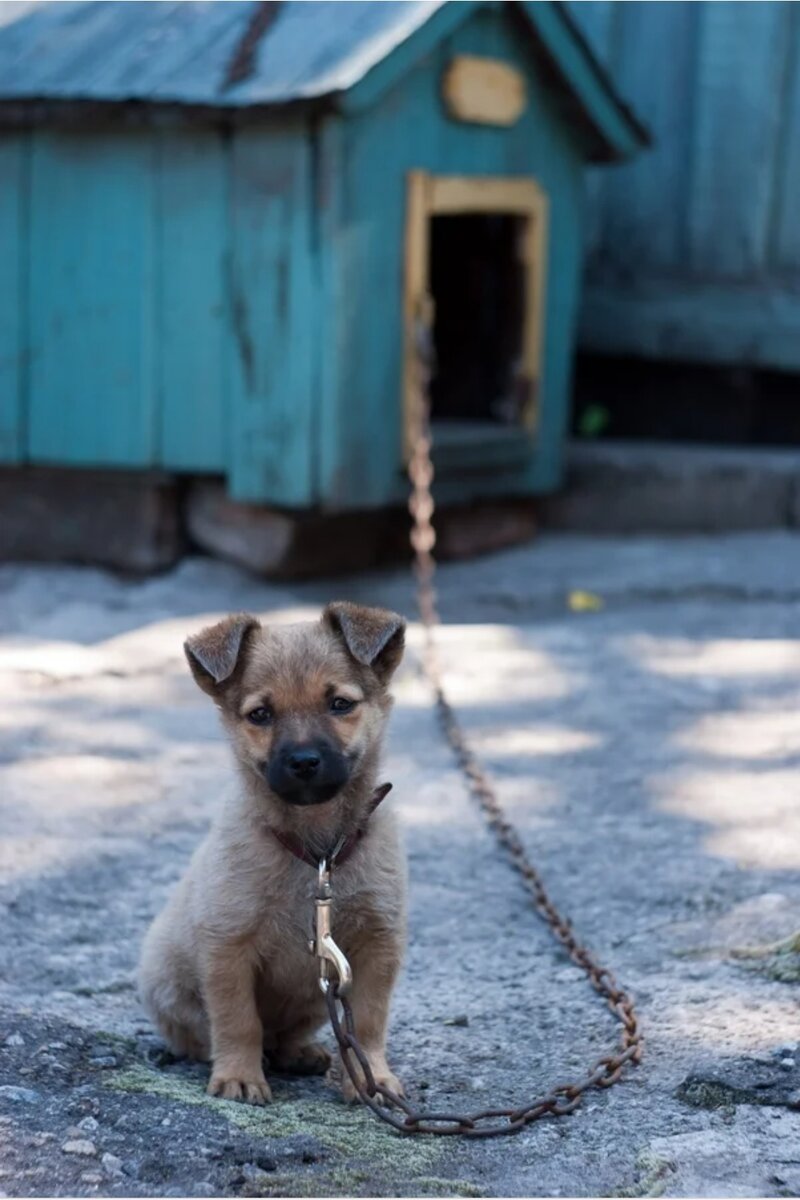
[260, 716]
[340, 705]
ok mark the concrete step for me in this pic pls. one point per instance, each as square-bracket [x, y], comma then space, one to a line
[662, 487]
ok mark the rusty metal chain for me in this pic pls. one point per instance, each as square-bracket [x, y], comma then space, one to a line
[563, 1098]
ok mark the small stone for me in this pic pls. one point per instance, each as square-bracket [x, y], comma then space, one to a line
[462, 1020]
[19, 1095]
[94, 1177]
[787, 1063]
[14, 1039]
[111, 1164]
[80, 1146]
[103, 1060]
[89, 1125]
[254, 1174]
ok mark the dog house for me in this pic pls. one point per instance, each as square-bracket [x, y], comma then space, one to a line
[221, 222]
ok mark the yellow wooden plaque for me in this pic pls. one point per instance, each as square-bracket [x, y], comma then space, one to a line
[484, 91]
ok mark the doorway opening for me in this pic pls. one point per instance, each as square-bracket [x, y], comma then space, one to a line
[474, 276]
[477, 285]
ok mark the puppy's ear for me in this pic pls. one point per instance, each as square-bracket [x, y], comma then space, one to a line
[215, 651]
[374, 636]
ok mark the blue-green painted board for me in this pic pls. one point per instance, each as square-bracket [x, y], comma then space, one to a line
[91, 299]
[271, 303]
[624, 198]
[361, 458]
[695, 247]
[193, 325]
[712, 323]
[13, 253]
[785, 248]
[329, 242]
[736, 124]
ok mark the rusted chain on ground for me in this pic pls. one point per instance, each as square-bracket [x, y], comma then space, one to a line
[562, 1098]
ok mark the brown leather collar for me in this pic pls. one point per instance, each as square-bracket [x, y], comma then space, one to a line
[339, 855]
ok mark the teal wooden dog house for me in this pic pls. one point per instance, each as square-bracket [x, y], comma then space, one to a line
[220, 221]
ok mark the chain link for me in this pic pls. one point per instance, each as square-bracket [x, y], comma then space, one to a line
[562, 1098]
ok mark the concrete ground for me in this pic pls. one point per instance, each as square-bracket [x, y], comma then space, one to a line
[650, 754]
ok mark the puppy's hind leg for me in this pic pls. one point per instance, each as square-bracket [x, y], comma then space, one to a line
[178, 1016]
[169, 999]
[296, 1054]
[187, 1038]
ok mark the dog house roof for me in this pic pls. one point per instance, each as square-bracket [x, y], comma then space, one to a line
[237, 54]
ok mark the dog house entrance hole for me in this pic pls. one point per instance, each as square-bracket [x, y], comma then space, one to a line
[475, 250]
[477, 278]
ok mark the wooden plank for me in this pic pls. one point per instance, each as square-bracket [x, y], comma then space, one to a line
[643, 203]
[737, 108]
[13, 254]
[619, 136]
[458, 193]
[484, 91]
[535, 249]
[756, 326]
[330, 313]
[271, 304]
[361, 461]
[192, 327]
[417, 303]
[785, 233]
[92, 376]
[595, 22]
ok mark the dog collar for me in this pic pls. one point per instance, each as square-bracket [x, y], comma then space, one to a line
[344, 847]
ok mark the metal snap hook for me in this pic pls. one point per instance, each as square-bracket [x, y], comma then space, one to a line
[325, 948]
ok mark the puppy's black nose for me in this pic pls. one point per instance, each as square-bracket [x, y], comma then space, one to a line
[303, 763]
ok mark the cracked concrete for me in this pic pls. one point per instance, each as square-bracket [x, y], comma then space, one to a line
[649, 753]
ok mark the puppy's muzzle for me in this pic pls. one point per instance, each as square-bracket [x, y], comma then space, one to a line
[309, 773]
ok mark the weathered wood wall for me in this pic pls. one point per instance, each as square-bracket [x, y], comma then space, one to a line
[369, 156]
[154, 313]
[231, 303]
[694, 248]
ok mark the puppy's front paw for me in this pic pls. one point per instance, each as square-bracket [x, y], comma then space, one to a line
[230, 1086]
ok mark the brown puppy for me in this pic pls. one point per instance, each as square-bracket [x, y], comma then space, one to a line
[226, 973]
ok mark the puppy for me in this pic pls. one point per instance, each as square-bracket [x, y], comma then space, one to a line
[226, 974]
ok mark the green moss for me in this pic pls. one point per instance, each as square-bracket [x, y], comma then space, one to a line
[779, 960]
[709, 1093]
[652, 1173]
[116, 1043]
[433, 1186]
[342, 1182]
[785, 968]
[348, 1181]
[347, 1130]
